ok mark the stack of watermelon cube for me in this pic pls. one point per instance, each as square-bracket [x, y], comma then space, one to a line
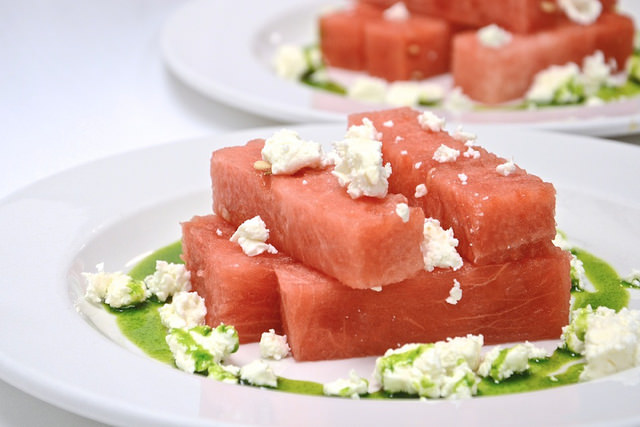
[441, 36]
[350, 279]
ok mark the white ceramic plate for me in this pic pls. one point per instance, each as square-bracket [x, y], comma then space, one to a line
[226, 53]
[115, 209]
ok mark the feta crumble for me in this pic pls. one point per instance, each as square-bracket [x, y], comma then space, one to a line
[439, 247]
[290, 62]
[352, 387]
[368, 89]
[609, 341]
[471, 153]
[168, 279]
[506, 168]
[114, 289]
[463, 178]
[358, 162]
[196, 349]
[421, 191]
[455, 293]
[273, 346]
[288, 153]
[259, 373]
[402, 210]
[457, 102]
[556, 84]
[584, 12]
[397, 13]
[462, 136]
[445, 154]
[501, 363]
[251, 235]
[432, 122]
[494, 36]
[186, 310]
[442, 369]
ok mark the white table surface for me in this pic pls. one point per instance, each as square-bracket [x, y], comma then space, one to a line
[81, 80]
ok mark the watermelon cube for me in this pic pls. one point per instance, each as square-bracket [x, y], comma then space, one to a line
[238, 290]
[495, 218]
[520, 300]
[363, 243]
[519, 16]
[342, 36]
[499, 75]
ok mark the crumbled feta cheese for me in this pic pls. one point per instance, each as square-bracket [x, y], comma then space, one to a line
[493, 36]
[463, 178]
[402, 210]
[421, 191]
[596, 73]
[555, 84]
[417, 165]
[578, 276]
[443, 369]
[218, 232]
[352, 387]
[457, 102]
[368, 89]
[251, 235]
[97, 284]
[445, 154]
[123, 291]
[506, 168]
[561, 241]
[288, 153]
[455, 293]
[633, 278]
[462, 136]
[584, 12]
[290, 62]
[439, 247]
[403, 93]
[224, 373]
[471, 153]
[501, 363]
[397, 12]
[432, 122]
[168, 279]
[259, 373]
[273, 346]
[186, 310]
[388, 124]
[359, 162]
[430, 93]
[609, 341]
[196, 349]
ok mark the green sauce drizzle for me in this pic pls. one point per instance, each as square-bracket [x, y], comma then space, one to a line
[142, 326]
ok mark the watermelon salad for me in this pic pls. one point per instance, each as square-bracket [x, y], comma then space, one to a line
[407, 242]
[470, 56]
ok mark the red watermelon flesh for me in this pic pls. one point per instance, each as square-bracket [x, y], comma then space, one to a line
[494, 76]
[239, 290]
[416, 48]
[496, 218]
[342, 36]
[519, 16]
[516, 301]
[363, 243]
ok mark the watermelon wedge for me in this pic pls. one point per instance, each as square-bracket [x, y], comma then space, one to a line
[499, 75]
[516, 301]
[238, 290]
[496, 218]
[363, 243]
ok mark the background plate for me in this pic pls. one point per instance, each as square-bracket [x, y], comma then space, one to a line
[226, 54]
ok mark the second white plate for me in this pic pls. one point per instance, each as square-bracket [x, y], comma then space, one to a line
[226, 54]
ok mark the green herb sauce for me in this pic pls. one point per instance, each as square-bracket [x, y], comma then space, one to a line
[141, 324]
